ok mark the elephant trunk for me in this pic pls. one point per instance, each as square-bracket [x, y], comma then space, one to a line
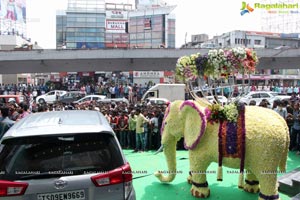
[170, 153]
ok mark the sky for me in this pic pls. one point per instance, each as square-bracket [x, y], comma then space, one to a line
[212, 17]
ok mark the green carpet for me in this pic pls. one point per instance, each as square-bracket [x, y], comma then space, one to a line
[148, 187]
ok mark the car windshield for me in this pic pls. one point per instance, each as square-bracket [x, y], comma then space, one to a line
[55, 156]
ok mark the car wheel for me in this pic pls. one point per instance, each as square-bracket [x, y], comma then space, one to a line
[42, 101]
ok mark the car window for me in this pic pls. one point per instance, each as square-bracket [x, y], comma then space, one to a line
[255, 95]
[86, 99]
[51, 93]
[274, 93]
[74, 155]
[264, 95]
[160, 102]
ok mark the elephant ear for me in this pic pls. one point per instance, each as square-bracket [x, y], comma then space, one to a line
[195, 123]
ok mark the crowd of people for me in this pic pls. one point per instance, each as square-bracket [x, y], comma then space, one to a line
[289, 110]
[137, 126]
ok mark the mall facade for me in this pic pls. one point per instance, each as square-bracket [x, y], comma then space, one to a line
[99, 24]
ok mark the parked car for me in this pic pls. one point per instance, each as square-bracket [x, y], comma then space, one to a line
[258, 96]
[157, 101]
[123, 100]
[50, 97]
[88, 99]
[71, 96]
[63, 155]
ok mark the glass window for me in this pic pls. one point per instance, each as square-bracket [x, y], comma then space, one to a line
[79, 34]
[156, 34]
[148, 35]
[140, 36]
[257, 42]
[140, 28]
[133, 36]
[157, 19]
[70, 29]
[53, 153]
[264, 95]
[157, 41]
[70, 38]
[91, 19]
[70, 34]
[171, 31]
[255, 96]
[157, 27]
[80, 19]
[140, 21]
[91, 34]
[132, 28]
[171, 23]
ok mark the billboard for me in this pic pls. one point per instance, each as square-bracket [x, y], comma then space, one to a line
[13, 16]
[14, 10]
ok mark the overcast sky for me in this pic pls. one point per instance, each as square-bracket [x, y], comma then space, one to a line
[212, 17]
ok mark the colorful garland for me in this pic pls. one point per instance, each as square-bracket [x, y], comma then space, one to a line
[231, 137]
[216, 63]
[203, 124]
[218, 113]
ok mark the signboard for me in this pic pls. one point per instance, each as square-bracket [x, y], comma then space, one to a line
[116, 14]
[148, 74]
[115, 26]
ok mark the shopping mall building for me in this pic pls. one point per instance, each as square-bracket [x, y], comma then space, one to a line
[98, 24]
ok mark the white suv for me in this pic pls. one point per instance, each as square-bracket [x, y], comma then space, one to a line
[71, 155]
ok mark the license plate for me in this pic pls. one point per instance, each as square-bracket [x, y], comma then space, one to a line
[68, 195]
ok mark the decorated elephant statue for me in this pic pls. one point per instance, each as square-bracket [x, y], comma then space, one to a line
[256, 143]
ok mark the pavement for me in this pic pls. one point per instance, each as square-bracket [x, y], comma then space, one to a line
[148, 187]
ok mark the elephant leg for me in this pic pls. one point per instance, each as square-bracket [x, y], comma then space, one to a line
[251, 183]
[268, 186]
[189, 178]
[200, 187]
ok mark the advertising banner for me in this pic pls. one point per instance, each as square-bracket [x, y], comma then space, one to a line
[13, 16]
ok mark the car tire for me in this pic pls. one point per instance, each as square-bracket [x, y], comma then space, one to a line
[42, 101]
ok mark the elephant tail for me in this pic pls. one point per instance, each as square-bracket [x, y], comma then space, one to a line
[284, 155]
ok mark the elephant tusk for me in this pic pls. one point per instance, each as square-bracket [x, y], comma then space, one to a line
[159, 150]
